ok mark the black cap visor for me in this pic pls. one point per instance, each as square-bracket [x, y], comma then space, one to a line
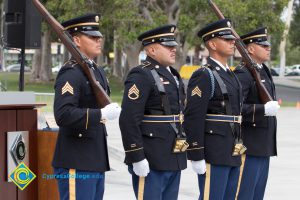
[264, 43]
[92, 33]
[228, 37]
[169, 43]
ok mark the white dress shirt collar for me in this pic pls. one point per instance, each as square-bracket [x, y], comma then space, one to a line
[260, 66]
[175, 77]
[220, 64]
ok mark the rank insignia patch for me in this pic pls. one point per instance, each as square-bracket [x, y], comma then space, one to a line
[197, 91]
[67, 88]
[133, 93]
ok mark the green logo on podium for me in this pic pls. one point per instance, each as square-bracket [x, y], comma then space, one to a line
[22, 176]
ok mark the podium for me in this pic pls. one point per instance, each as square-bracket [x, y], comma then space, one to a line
[18, 117]
[47, 188]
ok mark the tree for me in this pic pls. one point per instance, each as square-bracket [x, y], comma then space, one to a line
[282, 46]
[293, 48]
[295, 26]
[242, 13]
[124, 20]
[190, 16]
[61, 10]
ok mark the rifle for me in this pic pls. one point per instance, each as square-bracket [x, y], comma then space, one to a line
[250, 64]
[101, 96]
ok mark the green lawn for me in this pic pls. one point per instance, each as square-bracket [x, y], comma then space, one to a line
[11, 82]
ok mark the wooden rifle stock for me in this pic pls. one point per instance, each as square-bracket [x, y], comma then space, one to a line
[250, 64]
[101, 96]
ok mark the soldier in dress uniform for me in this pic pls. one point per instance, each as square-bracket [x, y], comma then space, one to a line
[213, 117]
[80, 157]
[151, 119]
[259, 119]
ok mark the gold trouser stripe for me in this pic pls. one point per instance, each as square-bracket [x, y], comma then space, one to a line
[141, 188]
[207, 182]
[241, 175]
[72, 184]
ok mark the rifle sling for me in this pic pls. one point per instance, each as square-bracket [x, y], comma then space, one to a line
[225, 98]
[165, 101]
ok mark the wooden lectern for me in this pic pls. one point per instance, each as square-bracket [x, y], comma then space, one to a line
[18, 117]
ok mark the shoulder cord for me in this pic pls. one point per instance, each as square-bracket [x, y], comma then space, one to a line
[212, 80]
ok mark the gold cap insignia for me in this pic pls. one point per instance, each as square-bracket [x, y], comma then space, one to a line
[133, 93]
[97, 18]
[228, 24]
[67, 88]
[196, 91]
[172, 30]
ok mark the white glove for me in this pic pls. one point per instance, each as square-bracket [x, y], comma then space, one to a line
[199, 166]
[141, 168]
[111, 111]
[271, 108]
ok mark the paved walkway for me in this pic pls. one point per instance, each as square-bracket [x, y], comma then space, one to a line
[284, 178]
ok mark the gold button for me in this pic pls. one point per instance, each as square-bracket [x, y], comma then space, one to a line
[79, 135]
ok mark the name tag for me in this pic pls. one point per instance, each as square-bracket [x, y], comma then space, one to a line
[164, 82]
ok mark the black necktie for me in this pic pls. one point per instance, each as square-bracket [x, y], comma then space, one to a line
[229, 72]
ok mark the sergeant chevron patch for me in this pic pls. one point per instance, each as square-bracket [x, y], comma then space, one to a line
[197, 91]
[133, 93]
[67, 88]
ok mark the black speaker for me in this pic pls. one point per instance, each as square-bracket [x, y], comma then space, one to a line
[22, 24]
